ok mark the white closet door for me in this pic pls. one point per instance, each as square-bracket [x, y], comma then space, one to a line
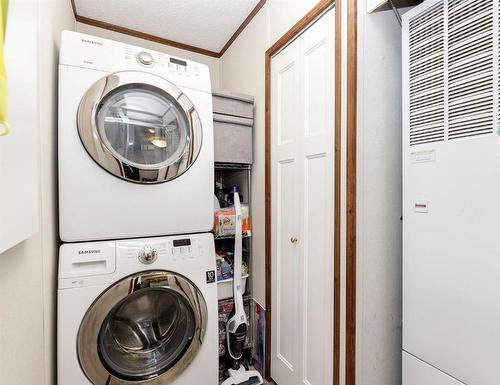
[302, 87]
[316, 239]
[286, 118]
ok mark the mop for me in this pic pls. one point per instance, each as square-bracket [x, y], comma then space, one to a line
[236, 327]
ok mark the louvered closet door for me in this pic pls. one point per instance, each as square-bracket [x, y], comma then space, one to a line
[302, 77]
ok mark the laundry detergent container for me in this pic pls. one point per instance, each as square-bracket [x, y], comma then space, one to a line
[233, 127]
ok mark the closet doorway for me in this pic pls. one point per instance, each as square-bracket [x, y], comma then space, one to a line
[302, 205]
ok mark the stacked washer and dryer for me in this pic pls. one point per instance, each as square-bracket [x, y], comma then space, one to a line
[137, 297]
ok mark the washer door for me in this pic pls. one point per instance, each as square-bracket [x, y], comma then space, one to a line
[146, 328]
[139, 127]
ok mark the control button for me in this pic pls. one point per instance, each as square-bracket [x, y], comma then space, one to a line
[145, 58]
[147, 255]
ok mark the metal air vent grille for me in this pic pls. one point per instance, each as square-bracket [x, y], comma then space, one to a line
[426, 71]
[470, 71]
[452, 71]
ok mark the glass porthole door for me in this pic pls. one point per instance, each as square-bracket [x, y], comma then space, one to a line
[146, 328]
[139, 127]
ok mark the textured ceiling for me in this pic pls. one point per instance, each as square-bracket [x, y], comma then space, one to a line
[206, 24]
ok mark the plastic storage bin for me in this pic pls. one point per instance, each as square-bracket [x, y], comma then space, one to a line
[225, 287]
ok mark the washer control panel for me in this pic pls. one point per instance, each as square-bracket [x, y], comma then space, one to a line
[92, 263]
[163, 250]
[185, 248]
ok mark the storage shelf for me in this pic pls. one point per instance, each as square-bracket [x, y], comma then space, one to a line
[219, 237]
[232, 166]
[232, 279]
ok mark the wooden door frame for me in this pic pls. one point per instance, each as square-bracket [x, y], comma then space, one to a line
[351, 191]
[299, 27]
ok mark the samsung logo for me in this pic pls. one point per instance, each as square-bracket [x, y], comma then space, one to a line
[89, 251]
[92, 42]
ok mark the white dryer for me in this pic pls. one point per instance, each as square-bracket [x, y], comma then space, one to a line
[135, 142]
[140, 311]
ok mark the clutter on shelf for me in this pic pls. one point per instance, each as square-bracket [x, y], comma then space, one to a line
[224, 188]
[225, 269]
[225, 266]
[225, 220]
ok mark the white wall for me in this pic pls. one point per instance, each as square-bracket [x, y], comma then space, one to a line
[283, 14]
[28, 270]
[379, 244]
[211, 62]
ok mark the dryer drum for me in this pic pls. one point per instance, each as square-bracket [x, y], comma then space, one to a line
[139, 127]
[146, 328]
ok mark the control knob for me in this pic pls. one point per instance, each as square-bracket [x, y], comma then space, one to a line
[148, 255]
[145, 58]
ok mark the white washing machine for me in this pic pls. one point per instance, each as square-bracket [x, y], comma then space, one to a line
[135, 142]
[140, 311]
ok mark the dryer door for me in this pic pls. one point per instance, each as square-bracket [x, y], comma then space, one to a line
[139, 127]
[146, 328]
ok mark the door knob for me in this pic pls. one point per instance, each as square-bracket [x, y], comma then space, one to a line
[294, 240]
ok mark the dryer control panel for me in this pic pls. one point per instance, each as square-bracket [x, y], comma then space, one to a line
[166, 63]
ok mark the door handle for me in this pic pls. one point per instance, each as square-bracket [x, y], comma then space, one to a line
[294, 240]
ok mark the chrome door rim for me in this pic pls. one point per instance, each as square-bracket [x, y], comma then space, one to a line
[107, 158]
[88, 334]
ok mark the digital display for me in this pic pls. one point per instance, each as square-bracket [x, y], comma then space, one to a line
[182, 242]
[177, 61]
